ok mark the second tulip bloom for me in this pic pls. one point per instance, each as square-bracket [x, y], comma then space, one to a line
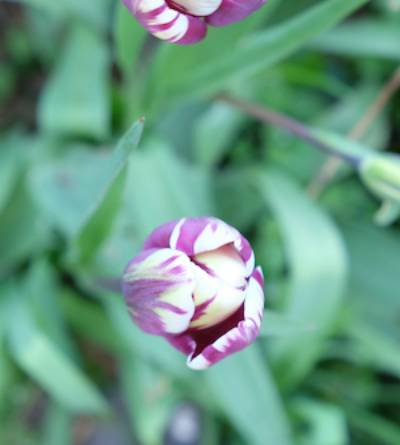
[186, 21]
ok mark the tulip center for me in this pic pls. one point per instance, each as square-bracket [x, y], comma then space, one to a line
[200, 8]
[220, 285]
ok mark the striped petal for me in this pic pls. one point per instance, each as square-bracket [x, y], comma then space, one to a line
[167, 23]
[232, 11]
[207, 347]
[215, 300]
[158, 286]
[199, 8]
[224, 263]
[197, 235]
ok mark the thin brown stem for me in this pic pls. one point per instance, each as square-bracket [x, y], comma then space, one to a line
[269, 116]
[329, 169]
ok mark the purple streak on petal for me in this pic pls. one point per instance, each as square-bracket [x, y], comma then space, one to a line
[159, 238]
[193, 341]
[140, 257]
[203, 266]
[201, 308]
[232, 11]
[198, 235]
[142, 298]
[246, 253]
[187, 233]
[245, 250]
[171, 308]
[233, 341]
[196, 32]
[146, 285]
[206, 347]
[190, 231]
[258, 276]
[168, 261]
[183, 343]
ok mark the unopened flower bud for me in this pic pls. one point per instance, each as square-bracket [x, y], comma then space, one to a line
[195, 284]
[381, 174]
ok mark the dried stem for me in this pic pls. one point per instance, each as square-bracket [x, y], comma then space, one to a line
[331, 166]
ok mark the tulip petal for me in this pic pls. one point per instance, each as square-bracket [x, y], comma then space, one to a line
[225, 263]
[214, 299]
[200, 8]
[195, 235]
[246, 327]
[167, 23]
[239, 337]
[158, 286]
[232, 11]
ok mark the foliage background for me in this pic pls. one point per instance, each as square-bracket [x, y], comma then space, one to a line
[73, 209]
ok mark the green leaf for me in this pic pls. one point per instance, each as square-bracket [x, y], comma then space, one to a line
[21, 230]
[150, 399]
[377, 348]
[161, 188]
[129, 39]
[94, 12]
[9, 169]
[57, 426]
[45, 363]
[110, 186]
[76, 98]
[318, 271]
[250, 54]
[326, 423]
[363, 38]
[277, 325]
[248, 396]
[81, 192]
[374, 426]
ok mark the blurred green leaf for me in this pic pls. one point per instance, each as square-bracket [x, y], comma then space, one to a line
[276, 324]
[129, 39]
[110, 186]
[150, 399]
[374, 426]
[326, 423]
[318, 270]
[46, 364]
[94, 12]
[75, 101]
[249, 55]
[248, 396]
[81, 193]
[57, 428]
[375, 38]
[161, 188]
[43, 298]
[22, 232]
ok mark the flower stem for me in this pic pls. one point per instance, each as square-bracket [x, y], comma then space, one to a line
[329, 169]
[269, 116]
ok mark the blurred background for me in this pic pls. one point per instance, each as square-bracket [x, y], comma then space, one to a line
[74, 77]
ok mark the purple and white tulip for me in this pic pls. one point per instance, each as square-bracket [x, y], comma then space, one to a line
[195, 284]
[186, 21]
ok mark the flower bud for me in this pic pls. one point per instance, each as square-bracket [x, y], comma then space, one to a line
[185, 21]
[195, 284]
[381, 174]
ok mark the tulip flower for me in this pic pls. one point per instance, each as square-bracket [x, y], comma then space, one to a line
[186, 21]
[195, 284]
